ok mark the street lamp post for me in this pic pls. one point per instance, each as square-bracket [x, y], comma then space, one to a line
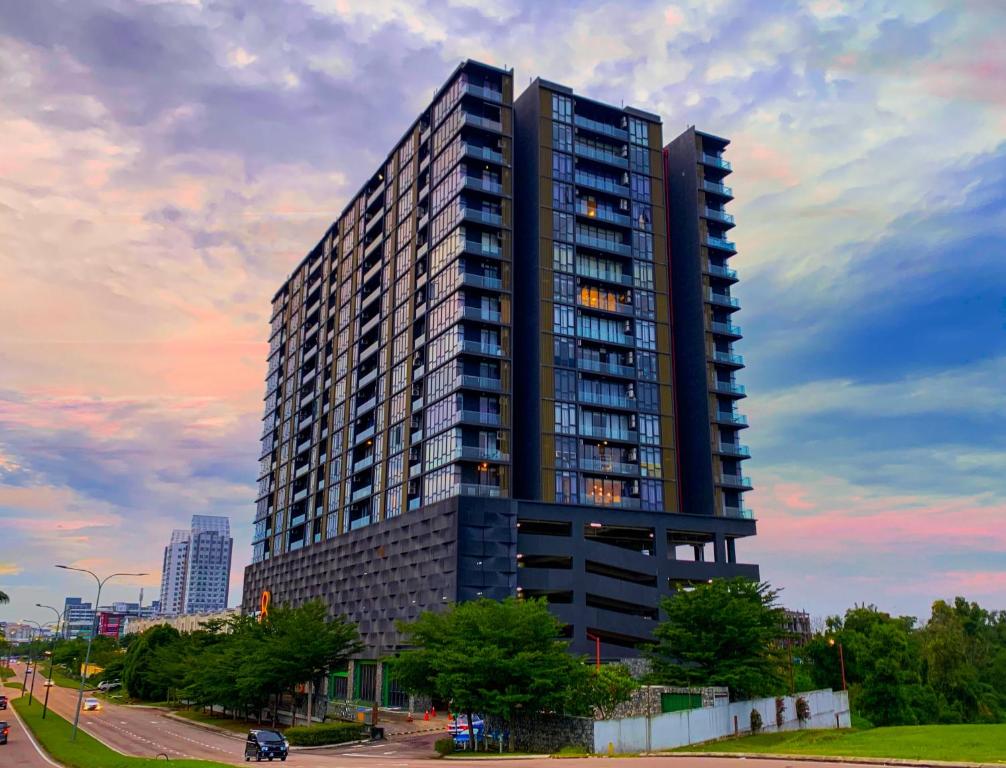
[841, 661]
[31, 661]
[90, 637]
[59, 620]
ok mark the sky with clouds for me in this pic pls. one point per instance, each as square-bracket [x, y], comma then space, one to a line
[165, 164]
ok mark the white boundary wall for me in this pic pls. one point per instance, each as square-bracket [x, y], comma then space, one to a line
[828, 709]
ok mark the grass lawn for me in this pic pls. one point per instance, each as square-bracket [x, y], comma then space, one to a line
[5, 672]
[16, 686]
[977, 743]
[228, 723]
[54, 735]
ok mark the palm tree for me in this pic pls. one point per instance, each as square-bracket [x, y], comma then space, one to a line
[3, 597]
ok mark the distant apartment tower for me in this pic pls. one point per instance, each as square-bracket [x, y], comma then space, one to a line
[78, 617]
[195, 576]
[472, 379]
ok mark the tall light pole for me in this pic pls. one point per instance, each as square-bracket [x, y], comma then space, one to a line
[31, 659]
[59, 620]
[90, 637]
[841, 661]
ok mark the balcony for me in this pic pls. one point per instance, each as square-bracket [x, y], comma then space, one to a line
[615, 307]
[617, 502]
[482, 92]
[367, 405]
[481, 281]
[366, 379]
[622, 249]
[478, 489]
[735, 449]
[481, 348]
[481, 217]
[721, 243]
[733, 419]
[716, 215]
[481, 122]
[483, 185]
[364, 435]
[370, 324]
[478, 249]
[717, 189]
[301, 494]
[480, 382]
[741, 513]
[603, 465]
[362, 464]
[600, 155]
[477, 453]
[598, 366]
[715, 160]
[727, 329]
[612, 401]
[725, 272]
[362, 493]
[736, 481]
[372, 197]
[601, 183]
[372, 272]
[612, 338]
[723, 299]
[480, 314]
[482, 418]
[621, 435]
[602, 214]
[608, 275]
[728, 358]
[369, 350]
[484, 153]
[604, 129]
[730, 388]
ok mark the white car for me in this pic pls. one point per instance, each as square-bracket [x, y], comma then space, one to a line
[91, 703]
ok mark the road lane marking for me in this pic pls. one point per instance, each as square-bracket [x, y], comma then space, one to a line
[31, 738]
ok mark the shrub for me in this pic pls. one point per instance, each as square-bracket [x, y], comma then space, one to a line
[802, 709]
[444, 746]
[326, 733]
[756, 722]
[780, 709]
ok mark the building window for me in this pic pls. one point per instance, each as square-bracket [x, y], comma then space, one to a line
[562, 257]
[565, 487]
[565, 418]
[563, 288]
[565, 452]
[649, 429]
[562, 138]
[646, 334]
[562, 196]
[562, 165]
[565, 352]
[562, 227]
[651, 495]
[562, 108]
[563, 320]
[639, 131]
[649, 462]
[648, 396]
[646, 365]
[565, 385]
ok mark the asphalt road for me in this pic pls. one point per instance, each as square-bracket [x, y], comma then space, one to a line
[147, 732]
[19, 751]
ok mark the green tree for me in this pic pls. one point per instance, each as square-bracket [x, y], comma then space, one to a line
[496, 658]
[4, 598]
[153, 664]
[726, 632]
[606, 687]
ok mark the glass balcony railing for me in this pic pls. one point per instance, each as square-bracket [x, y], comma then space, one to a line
[493, 251]
[602, 244]
[742, 513]
[483, 185]
[485, 418]
[730, 388]
[478, 489]
[712, 213]
[609, 275]
[735, 449]
[606, 465]
[482, 92]
[603, 128]
[481, 217]
[715, 161]
[482, 122]
[738, 419]
[598, 366]
[607, 433]
[366, 434]
[481, 281]
[602, 305]
[362, 493]
[481, 382]
[727, 329]
[728, 358]
[615, 401]
[723, 299]
[601, 183]
[725, 272]
[484, 153]
[477, 453]
[620, 502]
[602, 214]
[605, 338]
[481, 348]
[480, 314]
[735, 481]
[717, 189]
[721, 243]
[585, 150]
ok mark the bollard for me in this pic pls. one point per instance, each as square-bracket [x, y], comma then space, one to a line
[611, 749]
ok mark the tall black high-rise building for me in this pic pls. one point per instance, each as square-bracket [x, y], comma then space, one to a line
[474, 387]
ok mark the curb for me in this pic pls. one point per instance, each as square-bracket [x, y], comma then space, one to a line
[205, 726]
[908, 762]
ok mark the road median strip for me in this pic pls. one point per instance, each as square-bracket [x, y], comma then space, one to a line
[907, 762]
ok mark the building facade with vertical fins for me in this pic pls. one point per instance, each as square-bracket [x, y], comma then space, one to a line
[472, 384]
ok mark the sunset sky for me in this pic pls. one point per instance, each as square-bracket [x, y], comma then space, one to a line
[163, 166]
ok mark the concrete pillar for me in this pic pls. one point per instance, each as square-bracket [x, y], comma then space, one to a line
[350, 676]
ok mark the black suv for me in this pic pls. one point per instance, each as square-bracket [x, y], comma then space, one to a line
[3, 702]
[266, 744]
[4, 731]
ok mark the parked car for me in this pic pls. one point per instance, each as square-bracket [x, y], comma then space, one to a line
[108, 685]
[266, 744]
[91, 703]
[4, 731]
[3, 702]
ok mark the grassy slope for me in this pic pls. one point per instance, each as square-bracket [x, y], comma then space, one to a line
[54, 735]
[979, 743]
[227, 723]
